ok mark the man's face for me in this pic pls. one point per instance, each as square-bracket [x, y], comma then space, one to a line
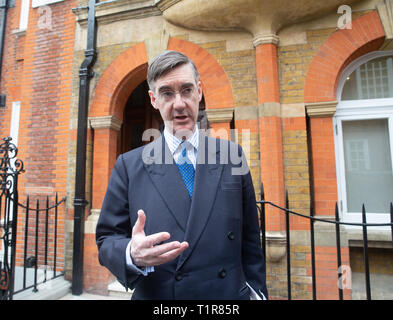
[177, 96]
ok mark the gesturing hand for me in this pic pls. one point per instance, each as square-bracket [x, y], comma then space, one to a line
[144, 253]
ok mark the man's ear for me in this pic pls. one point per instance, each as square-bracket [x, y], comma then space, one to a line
[152, 99]
[199, 88]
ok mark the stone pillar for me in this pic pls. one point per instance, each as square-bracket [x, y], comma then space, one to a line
[270, 132]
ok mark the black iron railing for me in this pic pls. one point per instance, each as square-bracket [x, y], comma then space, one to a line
[312, 219]
[40, 247]
[45, 236]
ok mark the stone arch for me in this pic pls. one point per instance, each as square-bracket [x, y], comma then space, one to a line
[342, 47]
[113, 88]
[122, 76]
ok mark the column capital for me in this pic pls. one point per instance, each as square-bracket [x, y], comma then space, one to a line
[321, 109]
[105, 122]
[264, 39]
[220, 115]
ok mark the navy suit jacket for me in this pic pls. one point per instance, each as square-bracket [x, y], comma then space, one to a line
[220, 223]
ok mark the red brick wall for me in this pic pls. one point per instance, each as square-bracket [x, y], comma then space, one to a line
[37, 71]
[12, 69]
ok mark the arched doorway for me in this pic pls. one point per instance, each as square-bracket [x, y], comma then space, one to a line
[112, 117]
[138, 116]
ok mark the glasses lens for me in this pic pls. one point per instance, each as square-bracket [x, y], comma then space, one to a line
[170, 95]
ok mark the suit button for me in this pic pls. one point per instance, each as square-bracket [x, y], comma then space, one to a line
[231, 235]
[178, 276]
[222, 273]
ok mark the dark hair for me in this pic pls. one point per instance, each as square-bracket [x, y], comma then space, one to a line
[165, 62]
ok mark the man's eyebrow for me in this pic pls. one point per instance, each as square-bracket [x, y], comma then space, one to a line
[187, 85]
[163, 88]
[184, 85]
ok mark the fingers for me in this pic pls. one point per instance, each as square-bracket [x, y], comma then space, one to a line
[164, 253]
[140, 223]
[156, 255]
[167, 249]
[155, 238]
[169, 255]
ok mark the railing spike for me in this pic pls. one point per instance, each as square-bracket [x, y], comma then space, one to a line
[391, 218]
[365, 252]
[262, 192]
[338, 246]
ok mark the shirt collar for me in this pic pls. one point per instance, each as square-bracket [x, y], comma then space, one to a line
[174, 142]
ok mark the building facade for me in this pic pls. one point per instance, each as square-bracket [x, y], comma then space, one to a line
[306, 87]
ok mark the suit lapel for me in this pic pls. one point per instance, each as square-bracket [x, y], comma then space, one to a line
[207, 176]
[166, 177]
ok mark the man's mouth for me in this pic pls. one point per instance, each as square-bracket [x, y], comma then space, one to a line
[181, 117]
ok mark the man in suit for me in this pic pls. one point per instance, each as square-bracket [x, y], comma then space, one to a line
[179, 218]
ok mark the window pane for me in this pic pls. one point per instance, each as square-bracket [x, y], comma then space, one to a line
[372, 80]
[368, 165]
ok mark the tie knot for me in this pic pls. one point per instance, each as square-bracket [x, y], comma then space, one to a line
[184, 147]
[184, 150]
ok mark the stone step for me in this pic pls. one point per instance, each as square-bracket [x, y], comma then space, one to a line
[115, 289]
[50, 290]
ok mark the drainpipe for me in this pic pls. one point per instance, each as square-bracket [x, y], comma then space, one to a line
[3, 13]
[80, 202]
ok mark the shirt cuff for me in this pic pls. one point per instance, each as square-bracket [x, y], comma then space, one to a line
[132, 267]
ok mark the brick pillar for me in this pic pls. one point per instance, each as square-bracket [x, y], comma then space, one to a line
[323, 156]
[270, 131]
[325, 198]
[106, 130]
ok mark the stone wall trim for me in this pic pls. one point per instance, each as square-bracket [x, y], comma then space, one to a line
[105, 122]
[220, 115]
[321, 109]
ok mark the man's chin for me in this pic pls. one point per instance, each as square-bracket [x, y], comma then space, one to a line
[183, 132]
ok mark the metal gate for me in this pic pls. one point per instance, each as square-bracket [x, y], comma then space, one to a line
[10, 168]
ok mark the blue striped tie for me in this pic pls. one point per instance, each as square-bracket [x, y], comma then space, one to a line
[186, 169]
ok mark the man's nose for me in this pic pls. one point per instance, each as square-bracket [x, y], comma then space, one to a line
[179, 101]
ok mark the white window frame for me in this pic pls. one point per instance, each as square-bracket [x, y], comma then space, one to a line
[14, 125]
[14, 134]
[24, 15]
[358, 110]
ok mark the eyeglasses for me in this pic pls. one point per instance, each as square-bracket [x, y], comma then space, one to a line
[169, 95]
